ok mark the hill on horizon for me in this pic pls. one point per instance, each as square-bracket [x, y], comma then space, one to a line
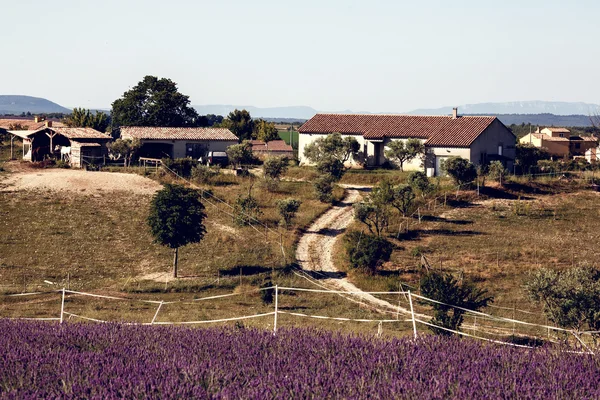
[17, 104]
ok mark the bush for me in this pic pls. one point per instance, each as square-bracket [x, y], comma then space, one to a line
[419, 182]
[62, 164]
[461, 170]
[203, 174]
[367, 252]
[324, 188]
[497, 171]
[287, 209]
[181, 166]
[246, 210]
[267, 295]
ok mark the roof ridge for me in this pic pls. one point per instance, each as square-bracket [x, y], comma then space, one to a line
[404, 115]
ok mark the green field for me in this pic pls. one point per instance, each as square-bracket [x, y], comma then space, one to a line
[290, 138]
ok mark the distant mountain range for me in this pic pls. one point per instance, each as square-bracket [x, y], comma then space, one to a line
[517, 112]
[22, 104]
[517, 107]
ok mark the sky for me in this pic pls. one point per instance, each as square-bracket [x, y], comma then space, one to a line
[333, 55]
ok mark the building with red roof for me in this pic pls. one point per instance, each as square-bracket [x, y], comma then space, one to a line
[479, 139]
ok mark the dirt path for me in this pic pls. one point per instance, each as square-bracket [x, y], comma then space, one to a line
[315, 248]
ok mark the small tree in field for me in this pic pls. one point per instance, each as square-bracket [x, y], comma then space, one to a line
[419, 182]
[324, 188]
[461, 170]
[403, 199]
[367, 252]
[176, 218]
[240, 154]
[400, 152]
[273, 168]
[497, 171]
[124, 148]
[444, 288]
[287, 210]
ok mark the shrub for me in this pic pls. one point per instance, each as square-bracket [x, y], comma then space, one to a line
[181, 166]
[444, 288]
[246, 210]
[497, 171]
[367, 252]
[373, 214]
[273, 168]
[461, 170]
[267, 295]
[203, 173]
[62, 164]
[324, 188]
[287, 210]
[419, 182]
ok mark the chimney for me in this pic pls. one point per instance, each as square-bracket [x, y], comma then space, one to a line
[455, 113]
[36, 119]
[48, 124]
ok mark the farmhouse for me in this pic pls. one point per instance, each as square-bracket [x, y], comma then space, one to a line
[559, 142]
[479, 139]
[77, 146]
[159, 142]
[274, 148]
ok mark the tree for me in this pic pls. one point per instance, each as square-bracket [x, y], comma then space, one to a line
[273, 168]
[240, 123]
[176, 218]
[154, 102]
[240, 154]
[124, 148]
[333, 146]
[399, 151]
[375, 216]
[212, 119]
[82, 118]
[461, 170]
[497, 171]
[265, 131]
[287, 210]
[367, 252]
[332, 167]
[444, 288]
[403, 199]
[571, 298]
[527, 156]
[419, 182]
[246, 210]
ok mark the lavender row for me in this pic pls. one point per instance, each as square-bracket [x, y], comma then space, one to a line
[47, 360]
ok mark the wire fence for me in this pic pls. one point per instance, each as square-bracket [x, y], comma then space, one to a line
[409, 312]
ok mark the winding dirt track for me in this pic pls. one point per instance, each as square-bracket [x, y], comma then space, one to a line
[315, 250]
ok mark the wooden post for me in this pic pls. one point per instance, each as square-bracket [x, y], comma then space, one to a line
[62, 306]
[412, 313]
[419, 213]
[11, 146]
[497, 259]
[276, 310]
[156, 313]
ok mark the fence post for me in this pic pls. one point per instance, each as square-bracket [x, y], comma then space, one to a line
[412, 313]
[156, 313]
[419, 212]
[62, 306]
[276, 310]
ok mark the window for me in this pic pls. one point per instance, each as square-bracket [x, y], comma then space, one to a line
[561, 135]
[500, 149]
[577, 145]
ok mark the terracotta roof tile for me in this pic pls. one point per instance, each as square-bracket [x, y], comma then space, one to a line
[273, 145]
[166, 133]
[28, 124]
[80, 133]
[559, 130]
[438, 130]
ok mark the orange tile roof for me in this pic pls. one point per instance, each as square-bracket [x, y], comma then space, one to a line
[167, 133]
[438, 130]
[28, 124]
[559, 130]
[273, 145]
[80, 133]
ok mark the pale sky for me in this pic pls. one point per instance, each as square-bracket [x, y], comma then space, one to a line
[377, 55]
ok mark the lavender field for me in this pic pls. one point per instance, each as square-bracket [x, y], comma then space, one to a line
[47, 360]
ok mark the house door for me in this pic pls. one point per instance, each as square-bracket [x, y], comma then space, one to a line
[377, 155]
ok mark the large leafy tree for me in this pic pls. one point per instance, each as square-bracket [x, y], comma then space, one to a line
[332, 146]
[176, 218]
[82, 118]
[400, 152]
[448, 292]
[240, 123]
[154, 102]
[265, 131]
[460, 169]
[240, 154]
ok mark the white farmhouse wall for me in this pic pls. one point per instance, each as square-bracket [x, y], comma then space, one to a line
[416, 164]
[304, 139]
[436, 155]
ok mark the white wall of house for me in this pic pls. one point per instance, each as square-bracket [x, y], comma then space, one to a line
[416, 164]
[304, 139]
[435, 156]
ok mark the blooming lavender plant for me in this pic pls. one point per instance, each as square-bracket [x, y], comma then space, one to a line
[43, 360]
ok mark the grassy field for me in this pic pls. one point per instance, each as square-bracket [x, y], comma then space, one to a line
[289, 137]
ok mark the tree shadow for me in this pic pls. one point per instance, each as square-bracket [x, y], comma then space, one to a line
[433, 218]
[244, 270]
[496, 193]
[457, 203]
[330, 232]
[326, 274]
[529, 189]
[416, 234]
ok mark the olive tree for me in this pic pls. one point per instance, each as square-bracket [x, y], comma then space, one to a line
[287, 210]
[460, 169]
[176, 218]
[240, 154]
[273, 168]
[399, 151]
